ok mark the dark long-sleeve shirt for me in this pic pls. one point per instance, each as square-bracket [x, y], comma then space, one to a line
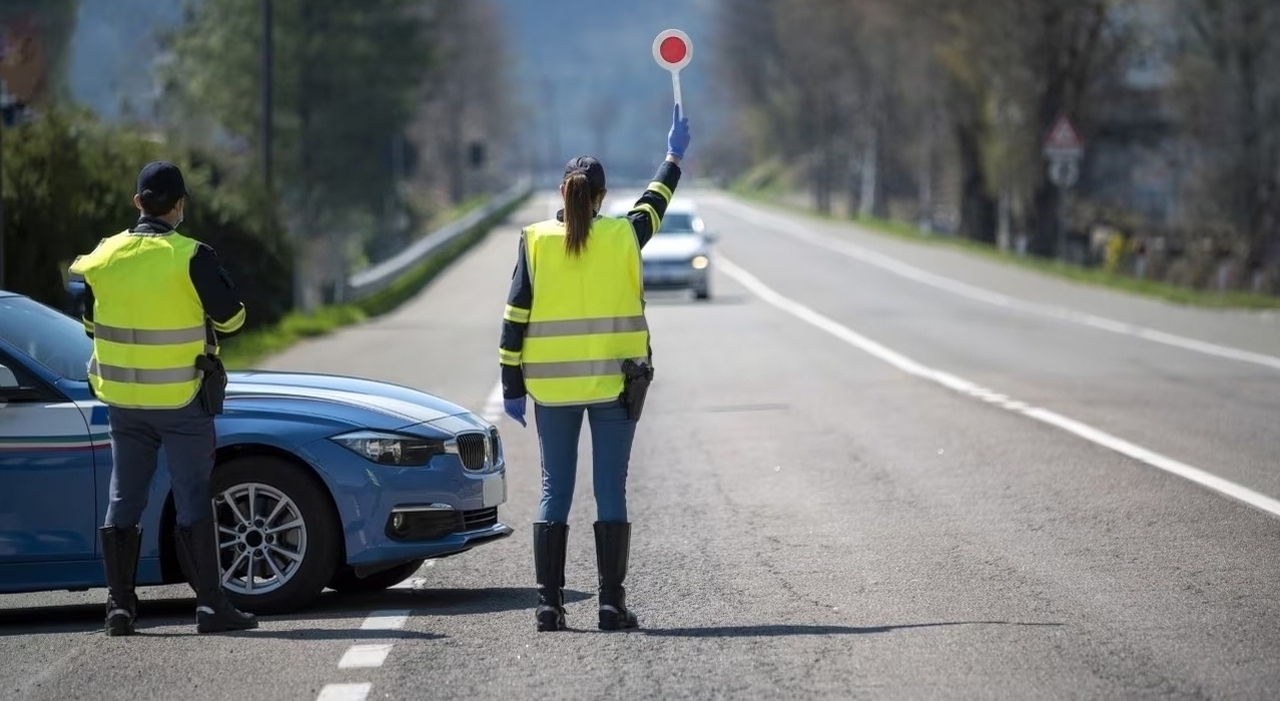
[225, 313]
[646, 220]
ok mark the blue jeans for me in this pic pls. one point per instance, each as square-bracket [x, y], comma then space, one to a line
[611, 434]
[189, 441]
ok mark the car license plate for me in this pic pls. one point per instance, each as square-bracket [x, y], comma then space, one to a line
[495, 490]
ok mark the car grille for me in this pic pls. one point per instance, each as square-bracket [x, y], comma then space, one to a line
[471, 449]
[480, 518]
[434, 525]
[495, 445]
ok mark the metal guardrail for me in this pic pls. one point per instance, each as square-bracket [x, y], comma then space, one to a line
[378, 277]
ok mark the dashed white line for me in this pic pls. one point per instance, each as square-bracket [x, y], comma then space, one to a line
[385, 620]
[963, 386]
[344, 692]
[925, 277]
[493, 408]
[365, 656]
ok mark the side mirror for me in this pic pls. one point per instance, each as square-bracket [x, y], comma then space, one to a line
[21, 394]
[710, 236]
[12, 391]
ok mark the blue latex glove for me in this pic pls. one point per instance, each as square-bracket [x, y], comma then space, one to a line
[678, 137]
[515, 409]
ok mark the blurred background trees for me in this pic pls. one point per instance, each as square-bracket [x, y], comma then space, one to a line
[391, 115]
[387, 116]
[935, 112]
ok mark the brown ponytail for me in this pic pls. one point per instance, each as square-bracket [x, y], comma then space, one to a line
[579, 210]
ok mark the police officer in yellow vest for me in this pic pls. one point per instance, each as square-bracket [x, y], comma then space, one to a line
[154, 303]
[574, 325]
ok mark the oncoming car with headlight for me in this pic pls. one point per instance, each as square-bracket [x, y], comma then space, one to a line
[678, 257]
[320, 480]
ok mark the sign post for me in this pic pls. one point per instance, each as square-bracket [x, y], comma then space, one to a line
[1064, 150]
[673, 51]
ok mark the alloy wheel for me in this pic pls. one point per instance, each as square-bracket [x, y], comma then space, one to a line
[262, 538]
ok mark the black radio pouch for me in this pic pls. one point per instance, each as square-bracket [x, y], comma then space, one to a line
[635, 387]
[213, 388]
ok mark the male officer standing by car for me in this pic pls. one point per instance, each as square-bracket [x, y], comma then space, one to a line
[154, 302]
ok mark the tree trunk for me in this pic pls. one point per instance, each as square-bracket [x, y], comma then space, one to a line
[977, 208]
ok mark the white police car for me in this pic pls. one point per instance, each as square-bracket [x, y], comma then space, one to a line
[678, 257]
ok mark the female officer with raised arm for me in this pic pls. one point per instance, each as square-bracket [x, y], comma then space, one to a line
[574, 315]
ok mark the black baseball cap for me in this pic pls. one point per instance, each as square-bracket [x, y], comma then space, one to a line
[161, 181]
[589, 166]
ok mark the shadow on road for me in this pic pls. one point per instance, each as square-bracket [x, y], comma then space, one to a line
[87, 618]
[773, 631]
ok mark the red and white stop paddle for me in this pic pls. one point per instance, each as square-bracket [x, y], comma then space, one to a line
[673, 51]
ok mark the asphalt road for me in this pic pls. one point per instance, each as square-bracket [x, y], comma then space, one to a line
[855, 479]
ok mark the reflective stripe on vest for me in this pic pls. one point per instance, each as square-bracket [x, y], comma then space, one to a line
[115, 373]
[587, 315]
[578, 327]
[149, 337]
[148, 322]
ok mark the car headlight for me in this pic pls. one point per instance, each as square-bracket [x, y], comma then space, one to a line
[395, 449]
[699, 262]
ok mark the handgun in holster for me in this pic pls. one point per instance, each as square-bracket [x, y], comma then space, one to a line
[213, 385]
[635, 386]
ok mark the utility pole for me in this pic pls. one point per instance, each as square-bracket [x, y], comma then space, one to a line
[4, 118]
[266, 95]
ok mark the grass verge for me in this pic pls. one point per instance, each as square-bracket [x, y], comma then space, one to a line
[247, 349]
[1093, 276]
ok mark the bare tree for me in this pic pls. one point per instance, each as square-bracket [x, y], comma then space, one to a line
[1230, 99]
[468, 100]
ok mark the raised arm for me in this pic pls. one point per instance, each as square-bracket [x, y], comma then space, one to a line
[646, 216]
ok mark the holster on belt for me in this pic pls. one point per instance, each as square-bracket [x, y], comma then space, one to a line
[213, 386]
[635, 386]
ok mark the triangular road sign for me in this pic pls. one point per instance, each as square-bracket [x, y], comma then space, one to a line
[1063, 137]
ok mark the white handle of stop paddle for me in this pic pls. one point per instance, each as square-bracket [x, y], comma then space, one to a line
[675, 87]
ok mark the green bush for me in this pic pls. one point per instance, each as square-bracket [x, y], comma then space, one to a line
[69, 182]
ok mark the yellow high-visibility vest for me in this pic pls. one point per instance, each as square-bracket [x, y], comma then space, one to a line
[148, 322]
[588, 313]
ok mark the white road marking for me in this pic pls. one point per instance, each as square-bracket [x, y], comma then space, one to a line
[925, 277]
[907, 365]
[365, 656]
[493, 408]
[385, 620]
[344, 692]
[415, 582]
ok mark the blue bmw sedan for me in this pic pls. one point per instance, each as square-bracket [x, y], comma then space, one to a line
[321, 481]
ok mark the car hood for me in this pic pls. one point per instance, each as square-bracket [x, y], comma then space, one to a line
[366, 402]
[674, 247]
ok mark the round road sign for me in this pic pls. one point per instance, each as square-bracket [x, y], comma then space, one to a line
[672, 50]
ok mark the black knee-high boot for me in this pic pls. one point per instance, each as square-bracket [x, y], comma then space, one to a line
[549, 544]
[198, 557]
[120, 564]
[613, 546]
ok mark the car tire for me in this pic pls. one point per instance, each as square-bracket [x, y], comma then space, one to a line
[346, 581]
[316, 538]
[702, 294]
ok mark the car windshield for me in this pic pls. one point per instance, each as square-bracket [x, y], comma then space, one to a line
[677, 223]
[48, 337]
